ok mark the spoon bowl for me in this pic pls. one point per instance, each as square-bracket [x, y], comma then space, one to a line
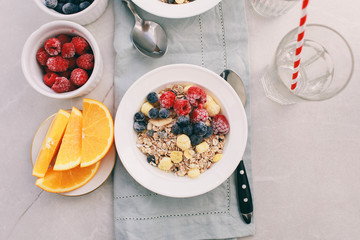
[235, 81]
[148, 37]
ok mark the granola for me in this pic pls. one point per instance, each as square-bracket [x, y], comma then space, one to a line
[172, 150]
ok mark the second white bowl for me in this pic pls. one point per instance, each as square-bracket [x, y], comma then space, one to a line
[33, 71]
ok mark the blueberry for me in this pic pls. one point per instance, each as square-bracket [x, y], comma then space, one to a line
[83, 5]
[200, 128]
[162, 134]
[51, 3]
[59, 7]
[151, 159]
[70, 8]
[149, 133]
[209, 132]
[73, 1]
[188, 130]
[183, 121]
[153, 113]
[164, 113]
[62, 1]
[176, 129]
[139, 126]
[196, 139]
[152, 97]
[139, 116]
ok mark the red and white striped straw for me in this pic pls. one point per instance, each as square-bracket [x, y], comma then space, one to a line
[299, 44]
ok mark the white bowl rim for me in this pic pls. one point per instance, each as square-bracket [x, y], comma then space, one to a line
[176, 10]
[94, 46]
[194, 190]
[69, 17]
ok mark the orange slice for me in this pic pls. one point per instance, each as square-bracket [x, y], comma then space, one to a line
[70, 149]
[98, 132]
[68, 180]
[51, 143]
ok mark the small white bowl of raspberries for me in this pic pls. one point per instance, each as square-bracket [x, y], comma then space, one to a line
[79, 11]
[62, 60]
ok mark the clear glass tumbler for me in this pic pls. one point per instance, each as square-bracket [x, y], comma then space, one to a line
[272, 8]
[326, 66]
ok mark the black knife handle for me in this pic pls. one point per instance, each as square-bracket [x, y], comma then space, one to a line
[244, 193]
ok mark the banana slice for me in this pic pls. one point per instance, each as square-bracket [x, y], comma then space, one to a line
[160, 122]
[146, 107]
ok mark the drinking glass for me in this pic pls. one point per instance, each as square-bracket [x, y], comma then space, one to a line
[272, 8]
[326, 66]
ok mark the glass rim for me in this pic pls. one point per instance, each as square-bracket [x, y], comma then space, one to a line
[346, 43]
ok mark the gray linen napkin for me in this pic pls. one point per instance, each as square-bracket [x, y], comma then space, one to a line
[216, 39]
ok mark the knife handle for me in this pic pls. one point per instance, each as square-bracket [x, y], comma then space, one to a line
[244, 193]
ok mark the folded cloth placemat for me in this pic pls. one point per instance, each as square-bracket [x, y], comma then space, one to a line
[216, 39]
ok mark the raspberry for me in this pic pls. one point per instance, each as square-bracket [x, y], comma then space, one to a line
[86, 61]
[220, 124]
[42, 56]
[182, 107]
[167, 99]
[68, 50]
[72, 63]
[46, 69]
[65, 74]
[196, 96]
[49, 78]
[72, 86]
[79, 76]
[81, 45]
[53, 46]
[61, 85]
[199, 115]
[57, 64]
[63, 38]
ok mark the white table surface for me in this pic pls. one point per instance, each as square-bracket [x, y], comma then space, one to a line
[305, 157]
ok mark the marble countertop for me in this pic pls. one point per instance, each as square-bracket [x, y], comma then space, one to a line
[306, 164]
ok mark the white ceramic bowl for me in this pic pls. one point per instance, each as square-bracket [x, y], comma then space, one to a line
[88, 15]
[33, 71]
[176, 10]
[167, 183]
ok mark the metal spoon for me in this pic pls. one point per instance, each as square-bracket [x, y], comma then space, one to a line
[243, 187]
[237, 84]
[148, 37]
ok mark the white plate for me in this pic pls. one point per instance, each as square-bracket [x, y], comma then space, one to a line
[176, 10]
[166, 183]
[106, 165]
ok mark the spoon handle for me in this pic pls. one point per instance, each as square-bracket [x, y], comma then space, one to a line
[131, 6]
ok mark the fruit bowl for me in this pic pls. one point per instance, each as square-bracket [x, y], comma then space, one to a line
[34, 73]
[185, 10]
[166, 183]
[86, 16]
